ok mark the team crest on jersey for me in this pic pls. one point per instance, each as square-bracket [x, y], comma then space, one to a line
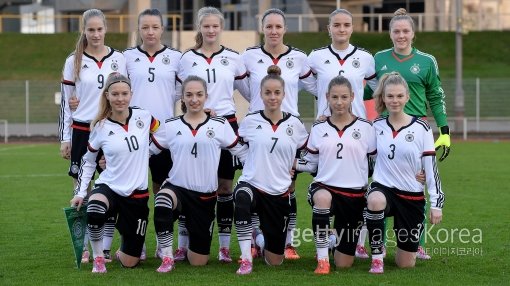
[289, 131]
[210, 133]
[139, 123]
[356, 135]
[409, 137]
[415, 68]
[165, 60]
[289, 64]
[224, 62]
[356, 63]
[114, 66]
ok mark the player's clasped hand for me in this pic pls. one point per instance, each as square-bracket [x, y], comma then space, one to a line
[65, 150]
[444, 142]
[76, 202]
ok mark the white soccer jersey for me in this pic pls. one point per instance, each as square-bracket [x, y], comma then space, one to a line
[356, 64]
[401, 154]
[340, 156]
[126, 151]
[220, 72]
[294, 67]
[272, 150]
[87, 88]
[154, 80]
[196, 152]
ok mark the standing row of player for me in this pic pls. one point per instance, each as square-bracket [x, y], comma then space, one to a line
[152, 65]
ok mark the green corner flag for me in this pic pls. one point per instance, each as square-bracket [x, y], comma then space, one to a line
[76, 221]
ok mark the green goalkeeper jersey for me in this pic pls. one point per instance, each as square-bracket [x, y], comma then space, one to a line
[421, 72]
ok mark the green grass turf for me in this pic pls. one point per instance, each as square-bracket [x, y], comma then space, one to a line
[35, 247]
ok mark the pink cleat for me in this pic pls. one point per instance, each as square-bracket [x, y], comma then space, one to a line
[291, 253]
[167, 265]
[361, 252]
[99, 265]
[421, 254]
[85, 256]
[377, 266]
[180, 254]
[245, 267]
[224, 255]
[322, 266]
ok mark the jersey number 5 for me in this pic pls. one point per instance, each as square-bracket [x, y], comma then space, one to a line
[151, 72]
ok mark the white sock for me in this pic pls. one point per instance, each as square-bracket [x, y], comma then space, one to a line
[167, 252]
[107, 242]
[245, 246]
[224, 240]
[183, 241]
[322, 253]
[362, 235]
[259, 241]
[97, 248]
[290, 237]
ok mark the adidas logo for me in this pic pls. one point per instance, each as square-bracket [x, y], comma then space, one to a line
[194, 64]
[325, 135]
[259, 127]
[260, 61]
[179, 133]
[137, 60]
[384, 68]
[111, 133]
[85, 66]
[381, 133]
[327, 62]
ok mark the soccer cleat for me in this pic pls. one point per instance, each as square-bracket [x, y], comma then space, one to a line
[85, 256]
[322, 266]
[332, 244]
[107, 256]
[255, 251]
[167, 265]
[245, 267]
[421, 254]
[291, 253]
[99, 265]
[180, 254]
[377, 266]
[361, 252]
[224, 255]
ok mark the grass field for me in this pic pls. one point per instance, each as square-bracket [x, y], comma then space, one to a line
[35, 247]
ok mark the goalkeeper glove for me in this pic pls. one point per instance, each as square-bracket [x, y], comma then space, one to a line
[443, 141]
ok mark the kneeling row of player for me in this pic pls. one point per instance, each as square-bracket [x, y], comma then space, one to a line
[339, 149]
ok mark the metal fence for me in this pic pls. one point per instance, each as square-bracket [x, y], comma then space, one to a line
[31, 108]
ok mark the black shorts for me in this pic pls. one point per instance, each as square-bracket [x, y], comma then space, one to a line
[273, 211]
[132, 217]
[226, 166]
[408, 210]
[160, 166]
[347, 206]
[198, 208]
[79, 143]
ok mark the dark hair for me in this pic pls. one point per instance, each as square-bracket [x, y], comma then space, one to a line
[273, 72]
[273, 11]
[185, 83]
[201, 14]
[392, 78]
[150, 12]
[339, 80]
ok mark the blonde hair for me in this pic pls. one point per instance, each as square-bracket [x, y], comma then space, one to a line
[201, 14]
[82, 43]
[338, 11]
[273, 72]
[105, 108]
[401, 14]
[392, 78]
